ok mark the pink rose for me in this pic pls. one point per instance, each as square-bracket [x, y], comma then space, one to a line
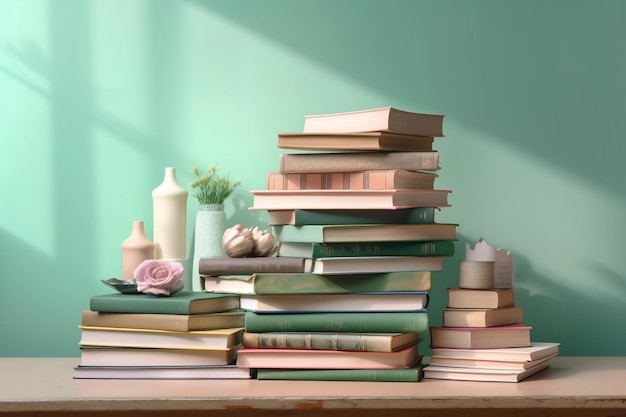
[159, 277]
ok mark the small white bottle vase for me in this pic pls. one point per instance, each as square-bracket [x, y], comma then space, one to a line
[136, 248]
[169, 212]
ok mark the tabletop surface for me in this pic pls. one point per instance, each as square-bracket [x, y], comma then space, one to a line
[47, 384]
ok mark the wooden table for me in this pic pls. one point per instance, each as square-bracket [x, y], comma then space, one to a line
[572, 387]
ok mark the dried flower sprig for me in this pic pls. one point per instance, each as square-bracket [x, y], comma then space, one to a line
[211, 188]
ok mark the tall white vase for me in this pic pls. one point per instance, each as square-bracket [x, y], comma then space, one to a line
[169, 205]
[209, 228]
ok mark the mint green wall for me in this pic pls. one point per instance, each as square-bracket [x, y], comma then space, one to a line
[98, 97]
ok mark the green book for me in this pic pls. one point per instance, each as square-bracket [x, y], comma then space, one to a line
[300, 217]
[365, 232]
[344, 249]
[371, 322]
[183, 302]
[308, 283]
[412, 374]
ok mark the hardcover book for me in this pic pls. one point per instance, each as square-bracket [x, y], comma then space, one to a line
[481, 298]
[372, 322]
[376, 264]
[352, 302]
[355, 141]
[345, 249]
[309, 283]
[392, 199]
[175, 322]
[479, 337]
[535, 351]
[487, 364]
[478, 374]
[165, 339]
[360, 342]
[298, 217]
[128, 356]
[411, 374]
[359, 180]
[458, 317]
[380, 119]
[238, 266]
[183, 302]
[162, 372]
[326, 359]
[365, 233]
[357, 161]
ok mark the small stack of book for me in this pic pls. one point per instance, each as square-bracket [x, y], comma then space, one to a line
[353, 209]
[483, 337]
[188, 335]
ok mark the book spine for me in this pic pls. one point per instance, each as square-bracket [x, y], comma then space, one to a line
[341, 284]
[318, 341]
[421, 249]
[413, 374]
[419, 215]
[234, 266]
[376, 180]
[392, 322]
[358, 161]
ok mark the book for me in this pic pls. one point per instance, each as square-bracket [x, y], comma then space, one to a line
[326, 359]
[162, 372]
[355, 141]
[411, 374]
[359, 180]
[479, 374]
[380, 119]
[392, 199]
[535, 351]
[360, 342]
[365, 233]
[343, 322]
[298, 217]
[453, 317]
[183, 302]
[289, 163]
[130, 356]
[478, 337]
[176, 322]
[352, 302]
[487, 364]
[309, 283]
[166, 339]
[481, 298]
[238, 266]
[344, 249]
[376, 264]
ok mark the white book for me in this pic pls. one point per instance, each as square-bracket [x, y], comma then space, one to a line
[352, 302]
[481, 374]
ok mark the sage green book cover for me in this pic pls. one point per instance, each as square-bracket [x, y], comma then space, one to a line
[183, 302]
[375, 322]
[412, 374]
[308, 283]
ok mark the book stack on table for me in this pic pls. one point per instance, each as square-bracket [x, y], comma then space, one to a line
[188, 335]
[483, 337]
[353, 207]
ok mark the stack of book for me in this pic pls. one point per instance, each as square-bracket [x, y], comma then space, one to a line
[188, 335]
[483, 337]
[353, 208]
